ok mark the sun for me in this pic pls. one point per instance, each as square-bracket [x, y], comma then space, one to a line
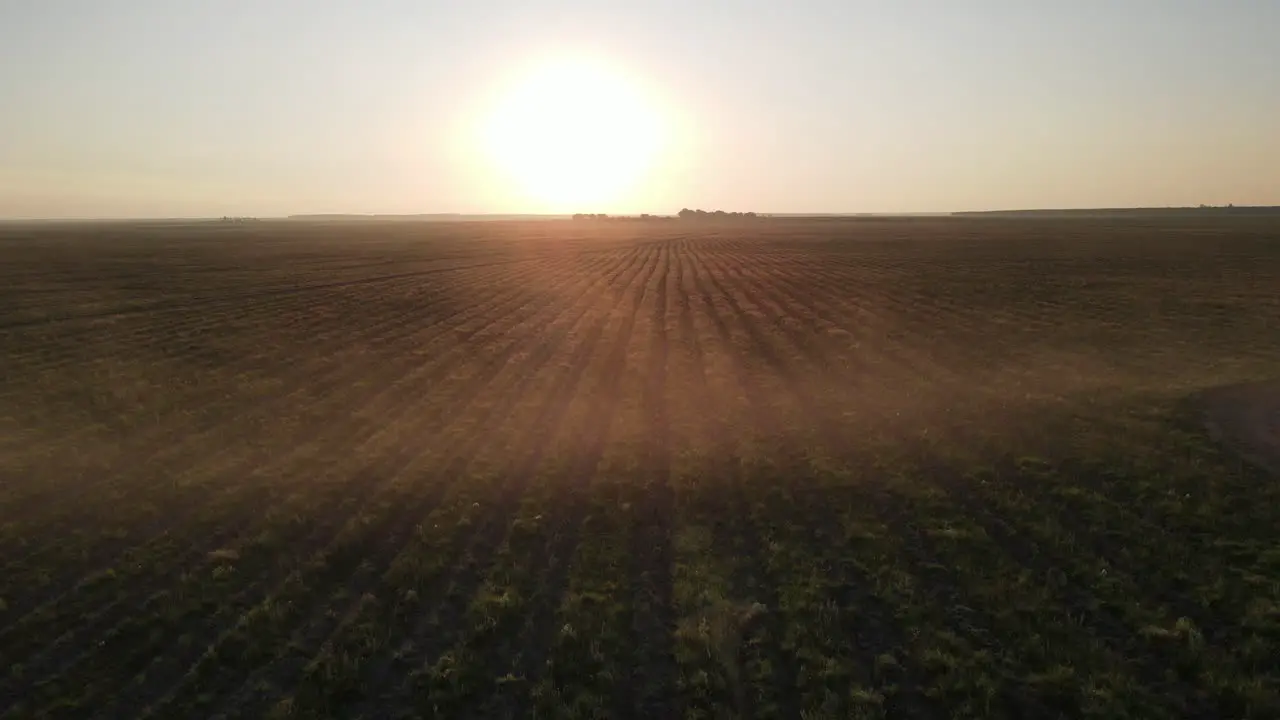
[573, 135]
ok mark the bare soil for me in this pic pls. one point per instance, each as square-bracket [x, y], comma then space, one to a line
[928, 468]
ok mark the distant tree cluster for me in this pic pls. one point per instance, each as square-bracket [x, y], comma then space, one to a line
[603, 216]
[228, 219]
[687, 214]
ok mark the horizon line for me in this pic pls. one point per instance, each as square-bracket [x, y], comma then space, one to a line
[558, 216]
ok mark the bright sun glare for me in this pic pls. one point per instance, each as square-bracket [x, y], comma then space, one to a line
[574, 136]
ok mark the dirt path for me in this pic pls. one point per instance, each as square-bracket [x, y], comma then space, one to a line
[1247, 417]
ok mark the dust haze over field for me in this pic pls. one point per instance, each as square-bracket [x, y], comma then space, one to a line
[849, 468]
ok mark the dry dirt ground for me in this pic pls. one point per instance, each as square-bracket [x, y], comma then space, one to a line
[927, 468]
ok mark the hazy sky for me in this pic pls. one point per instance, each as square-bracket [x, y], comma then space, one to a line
[270, 107]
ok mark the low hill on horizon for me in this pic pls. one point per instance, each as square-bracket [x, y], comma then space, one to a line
[1266, 210]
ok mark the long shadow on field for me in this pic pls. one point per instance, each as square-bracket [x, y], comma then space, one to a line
[450, 593]
[548, 564]
[653, 621]
[540, 628]
[354, 564]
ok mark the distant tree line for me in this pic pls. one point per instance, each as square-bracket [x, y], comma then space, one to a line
[604, 216]
[685, 214]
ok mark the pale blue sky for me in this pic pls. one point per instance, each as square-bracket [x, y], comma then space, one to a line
[115, 108]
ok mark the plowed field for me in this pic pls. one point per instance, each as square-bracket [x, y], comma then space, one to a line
[771, 469]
